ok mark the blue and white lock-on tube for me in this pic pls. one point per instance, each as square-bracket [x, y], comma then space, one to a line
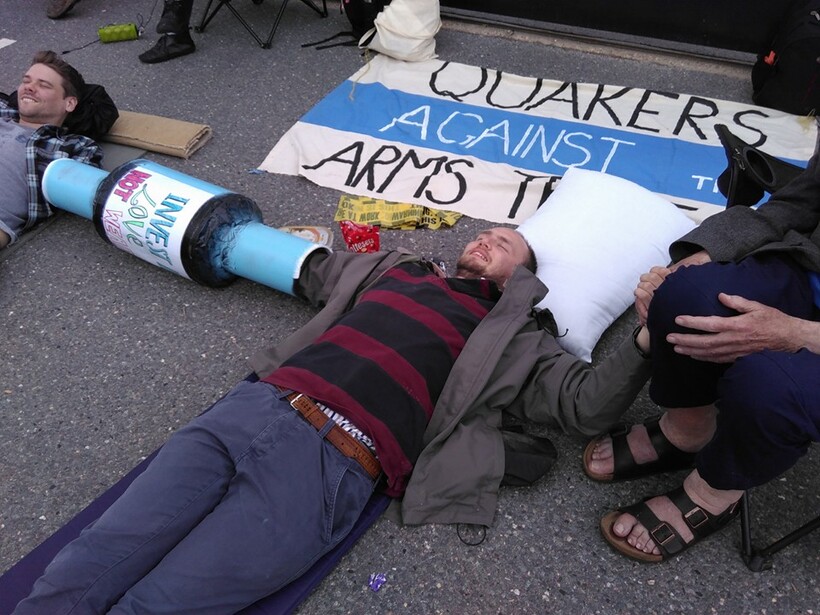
[196, 229]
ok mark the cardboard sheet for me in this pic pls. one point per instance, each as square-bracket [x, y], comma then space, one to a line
[158, 134]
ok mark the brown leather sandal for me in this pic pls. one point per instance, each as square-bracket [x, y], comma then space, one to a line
[670, 457]
[670, 543]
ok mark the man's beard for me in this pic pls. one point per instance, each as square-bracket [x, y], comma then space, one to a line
[468, 268]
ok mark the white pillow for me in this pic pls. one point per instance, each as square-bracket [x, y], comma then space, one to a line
[593, 238]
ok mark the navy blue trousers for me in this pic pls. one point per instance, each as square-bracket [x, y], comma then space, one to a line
[768, 402]
[236, 504]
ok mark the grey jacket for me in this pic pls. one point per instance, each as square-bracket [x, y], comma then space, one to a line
[788, 223]
[508, 364]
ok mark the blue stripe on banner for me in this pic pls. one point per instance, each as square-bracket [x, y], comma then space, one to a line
[547, 146]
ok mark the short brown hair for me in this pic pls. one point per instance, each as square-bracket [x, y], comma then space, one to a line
[532, 262]
[73, 82]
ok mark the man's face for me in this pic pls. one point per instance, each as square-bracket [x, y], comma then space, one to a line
[494, 255]
[41, 98]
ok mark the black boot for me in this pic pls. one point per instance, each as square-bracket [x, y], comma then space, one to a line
[174, 26]
[176, 16]
[168, 47]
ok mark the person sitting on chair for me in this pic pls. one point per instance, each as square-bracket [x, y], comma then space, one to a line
[735, 351]
[403, 374]
[31, 136]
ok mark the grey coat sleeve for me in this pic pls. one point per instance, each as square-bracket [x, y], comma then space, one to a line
[788, 216]
[580, 398]
[324, 274]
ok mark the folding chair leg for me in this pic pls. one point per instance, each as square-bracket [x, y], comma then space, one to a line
[264, 44]
[761, 559]
[206, 16]
[321, 11]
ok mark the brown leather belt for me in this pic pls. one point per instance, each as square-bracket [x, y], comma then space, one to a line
[338, 437]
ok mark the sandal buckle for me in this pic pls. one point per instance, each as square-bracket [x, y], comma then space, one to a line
[696, 517]
[662, 534]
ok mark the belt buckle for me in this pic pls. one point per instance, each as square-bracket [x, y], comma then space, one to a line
[354, 442]
[292, 401]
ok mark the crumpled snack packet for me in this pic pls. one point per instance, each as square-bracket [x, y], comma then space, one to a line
[360, 237]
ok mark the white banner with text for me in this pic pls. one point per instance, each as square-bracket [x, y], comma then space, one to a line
[490, 144]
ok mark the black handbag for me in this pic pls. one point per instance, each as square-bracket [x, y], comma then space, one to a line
[750, 172]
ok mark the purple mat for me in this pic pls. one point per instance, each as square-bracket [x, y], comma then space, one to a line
[17, 582]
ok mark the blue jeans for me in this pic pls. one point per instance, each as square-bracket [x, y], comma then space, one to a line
[236, 504]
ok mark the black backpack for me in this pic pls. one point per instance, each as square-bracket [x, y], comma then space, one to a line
[362, 14]
[787, 75]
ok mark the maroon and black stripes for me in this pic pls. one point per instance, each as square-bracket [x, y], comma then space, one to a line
[385, 362]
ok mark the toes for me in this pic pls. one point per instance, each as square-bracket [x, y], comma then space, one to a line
[624, 524]
[628, 528]
[601, 460]
[641, 539]
[602, 450]
[598, 457]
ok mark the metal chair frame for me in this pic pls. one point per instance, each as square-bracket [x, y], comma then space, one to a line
[758, 559]
[209, 14]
